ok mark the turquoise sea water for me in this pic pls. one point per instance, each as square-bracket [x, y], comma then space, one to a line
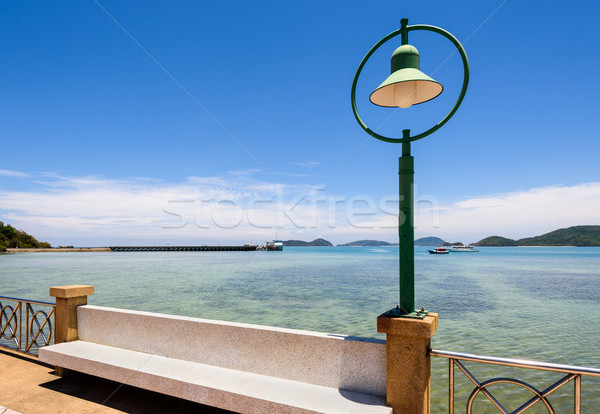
[540, 303]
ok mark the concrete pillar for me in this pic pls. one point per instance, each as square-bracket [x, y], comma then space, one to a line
[408, 363]
[68, 298]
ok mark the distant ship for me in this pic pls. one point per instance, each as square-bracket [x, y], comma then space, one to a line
[274, 245]
[463, 249]
[439, 250]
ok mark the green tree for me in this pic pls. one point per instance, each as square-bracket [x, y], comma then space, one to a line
[9, 231]
[11, 237]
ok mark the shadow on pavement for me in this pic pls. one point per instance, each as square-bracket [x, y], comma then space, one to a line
[124, 397]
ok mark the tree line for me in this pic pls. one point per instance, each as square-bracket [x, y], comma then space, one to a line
[13, 238]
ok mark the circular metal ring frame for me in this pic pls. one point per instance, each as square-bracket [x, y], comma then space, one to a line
[40, 331]
[11, 322]
[520, 383]
[463, 91]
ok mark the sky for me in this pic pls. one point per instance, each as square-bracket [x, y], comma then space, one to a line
[186, 122]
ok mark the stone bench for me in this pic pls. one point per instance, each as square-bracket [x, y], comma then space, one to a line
[233, 366]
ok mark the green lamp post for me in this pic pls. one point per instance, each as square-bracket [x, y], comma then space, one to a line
[407, 86]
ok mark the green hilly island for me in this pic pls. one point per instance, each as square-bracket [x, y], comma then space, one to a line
[367, 243]
[495, 241]
[13, 238]
[425, 241]
[316, 242]
[429, 241]
[571, 236]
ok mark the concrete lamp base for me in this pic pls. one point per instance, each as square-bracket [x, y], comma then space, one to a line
[408, 363]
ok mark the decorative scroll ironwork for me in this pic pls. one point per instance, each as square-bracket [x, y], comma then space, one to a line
[573, 373]
[30, 333]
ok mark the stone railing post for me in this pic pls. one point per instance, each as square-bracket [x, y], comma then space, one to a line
[408, 362]
[68, 298]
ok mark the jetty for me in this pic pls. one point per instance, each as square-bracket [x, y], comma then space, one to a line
[247, 247]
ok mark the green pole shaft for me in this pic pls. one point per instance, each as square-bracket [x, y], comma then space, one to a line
[406, 230]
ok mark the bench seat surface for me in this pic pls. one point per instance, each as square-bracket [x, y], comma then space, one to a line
[206, 384]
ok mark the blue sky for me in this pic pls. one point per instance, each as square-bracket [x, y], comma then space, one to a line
[230, 122]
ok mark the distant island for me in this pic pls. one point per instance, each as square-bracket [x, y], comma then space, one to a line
[425, 241]
[13, 238]
[316, 242]
[367, 243]
[448, 244]
[571, 236]
[589, 235]
[429, 241]
[496, 241]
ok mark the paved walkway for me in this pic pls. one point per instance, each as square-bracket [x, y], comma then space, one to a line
[28, 386]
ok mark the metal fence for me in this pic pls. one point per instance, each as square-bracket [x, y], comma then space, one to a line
[572, 374]
[26, 325]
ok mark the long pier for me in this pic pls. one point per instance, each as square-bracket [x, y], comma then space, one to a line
[183, 248]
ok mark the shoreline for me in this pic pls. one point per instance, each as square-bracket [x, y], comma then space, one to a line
[151, 248]
[59, 249]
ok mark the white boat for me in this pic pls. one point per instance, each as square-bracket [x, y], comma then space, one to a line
[439, 250]
[462, 249]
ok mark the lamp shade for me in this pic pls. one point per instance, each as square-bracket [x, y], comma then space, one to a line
[407, 85]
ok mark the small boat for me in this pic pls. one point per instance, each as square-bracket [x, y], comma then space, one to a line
[463, 249]
[440, 250]
[274, 245]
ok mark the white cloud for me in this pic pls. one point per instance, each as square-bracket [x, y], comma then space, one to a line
[240, 209]
[200, 208]
[308, 163]
[11, 173]
[518, 214]
[248, 171]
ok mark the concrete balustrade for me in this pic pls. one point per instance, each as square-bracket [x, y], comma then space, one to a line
[238, 367]
[245, 368]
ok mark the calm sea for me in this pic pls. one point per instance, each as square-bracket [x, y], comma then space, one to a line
[540, 303]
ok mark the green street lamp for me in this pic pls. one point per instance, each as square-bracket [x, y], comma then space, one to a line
[407, 86]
